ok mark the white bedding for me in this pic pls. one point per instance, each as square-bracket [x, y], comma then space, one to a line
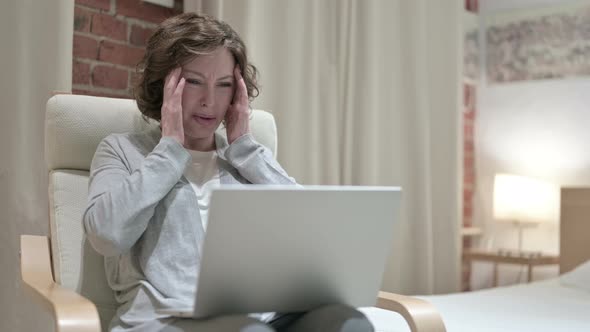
[539, 307]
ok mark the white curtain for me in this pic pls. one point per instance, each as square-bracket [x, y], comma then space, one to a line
[36, 59]
[367, 93]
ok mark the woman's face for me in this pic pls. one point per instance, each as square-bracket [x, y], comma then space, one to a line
[208, 92]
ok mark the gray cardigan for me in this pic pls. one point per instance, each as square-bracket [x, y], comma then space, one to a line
[142, 215]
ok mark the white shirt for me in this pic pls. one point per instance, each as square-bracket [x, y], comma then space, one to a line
[203, 175]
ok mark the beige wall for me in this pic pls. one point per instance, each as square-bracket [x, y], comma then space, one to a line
[36, 59]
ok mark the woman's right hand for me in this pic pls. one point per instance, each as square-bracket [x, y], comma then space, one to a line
[172, 124]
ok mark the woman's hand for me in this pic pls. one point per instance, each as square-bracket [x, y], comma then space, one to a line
[172, 124]
[237, 117]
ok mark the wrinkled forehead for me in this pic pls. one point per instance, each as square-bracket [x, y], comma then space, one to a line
[217, 63]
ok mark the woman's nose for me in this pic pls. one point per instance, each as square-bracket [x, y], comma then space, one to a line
[208, 97]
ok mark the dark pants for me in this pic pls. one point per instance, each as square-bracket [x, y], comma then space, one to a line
[331, 318]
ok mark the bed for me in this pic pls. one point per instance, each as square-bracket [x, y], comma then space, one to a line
[558, 304]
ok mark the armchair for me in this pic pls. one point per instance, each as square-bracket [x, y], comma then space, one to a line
[63, 272]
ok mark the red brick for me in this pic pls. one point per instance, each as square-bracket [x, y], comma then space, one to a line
[466, 244]
[139, 36]
[467, 212]
[85, 47]
[80, 73]
[467, 221]
[469, 115]
[108, 26]
[145, 11]
[468, 132]
[467, 194]
[109, 77]
[467, 207]
[123, 94]
[465, 277]
[82, 19]
[472, 6]
[468, 178]
[469, 93]
[466, 204]
[468, 146]
[98, 4]
[120, 54]
[80, 92]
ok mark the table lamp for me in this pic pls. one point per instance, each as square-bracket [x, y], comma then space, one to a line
[525, 202]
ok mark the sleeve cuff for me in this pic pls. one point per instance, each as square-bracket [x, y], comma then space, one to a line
[174, 152]
[241, 149]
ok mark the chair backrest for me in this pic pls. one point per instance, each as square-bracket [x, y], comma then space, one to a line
[74, 126]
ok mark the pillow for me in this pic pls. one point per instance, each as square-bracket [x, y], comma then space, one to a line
[578, 277]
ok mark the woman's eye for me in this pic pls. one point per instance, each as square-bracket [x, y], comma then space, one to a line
[225, 84]
[192, 81]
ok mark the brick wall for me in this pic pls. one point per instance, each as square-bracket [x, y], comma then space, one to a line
[469, 92]
[109, 40]
[469, 108]
[472, 5]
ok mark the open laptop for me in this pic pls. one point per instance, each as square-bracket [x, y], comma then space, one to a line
[292, 249]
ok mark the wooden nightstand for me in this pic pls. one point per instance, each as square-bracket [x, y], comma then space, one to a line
[503, 257]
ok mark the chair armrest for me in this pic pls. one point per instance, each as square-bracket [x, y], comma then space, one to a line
[420, 315]
[71, 311]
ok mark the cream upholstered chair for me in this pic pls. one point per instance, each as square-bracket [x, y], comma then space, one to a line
[65, 273]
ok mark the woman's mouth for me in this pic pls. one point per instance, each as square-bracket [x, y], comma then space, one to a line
[204, 120]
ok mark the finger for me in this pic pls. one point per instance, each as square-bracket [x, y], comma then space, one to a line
[180, 88]
[172, 80]
[175, 97]
[237, 80]
[168, 83]
[176, 74]
[241, 94]
[169, 78]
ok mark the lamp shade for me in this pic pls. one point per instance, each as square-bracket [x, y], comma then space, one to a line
[525, 200]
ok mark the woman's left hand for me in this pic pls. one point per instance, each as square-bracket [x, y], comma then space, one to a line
[237, 117]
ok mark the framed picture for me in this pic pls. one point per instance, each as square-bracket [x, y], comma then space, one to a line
[536, 44]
